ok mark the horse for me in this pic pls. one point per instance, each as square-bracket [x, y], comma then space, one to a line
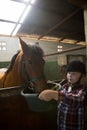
[26, 69]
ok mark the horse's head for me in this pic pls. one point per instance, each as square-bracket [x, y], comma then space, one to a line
[32, 65]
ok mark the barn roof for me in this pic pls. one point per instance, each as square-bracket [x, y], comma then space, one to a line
[58, 20]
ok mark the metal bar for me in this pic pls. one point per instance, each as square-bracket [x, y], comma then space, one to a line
[10, 91]
[67, 50]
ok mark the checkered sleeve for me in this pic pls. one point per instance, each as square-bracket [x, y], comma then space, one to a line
[77, 96]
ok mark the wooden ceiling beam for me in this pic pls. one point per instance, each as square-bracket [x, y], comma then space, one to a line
[61, 22]
[79, 3]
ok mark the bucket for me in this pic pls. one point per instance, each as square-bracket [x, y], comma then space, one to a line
[37, 105]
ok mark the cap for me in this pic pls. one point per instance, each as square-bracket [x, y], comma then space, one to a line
[76, 66]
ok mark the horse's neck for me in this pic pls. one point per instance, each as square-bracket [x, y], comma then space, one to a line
[13, 78]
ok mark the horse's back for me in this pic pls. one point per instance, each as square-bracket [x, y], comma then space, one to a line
[2, 74]
[2, 71]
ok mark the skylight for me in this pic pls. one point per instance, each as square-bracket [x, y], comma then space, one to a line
[12, 15]
[6, 28]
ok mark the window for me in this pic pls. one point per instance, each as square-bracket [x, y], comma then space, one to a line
[59, 48]
[2, 46]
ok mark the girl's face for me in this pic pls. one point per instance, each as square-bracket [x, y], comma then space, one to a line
[73, 77]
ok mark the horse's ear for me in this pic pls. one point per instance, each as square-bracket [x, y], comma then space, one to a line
[24, 45]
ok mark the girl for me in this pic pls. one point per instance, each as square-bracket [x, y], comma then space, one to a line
[71, 98]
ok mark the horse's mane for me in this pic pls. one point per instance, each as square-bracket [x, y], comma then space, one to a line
[10, 66]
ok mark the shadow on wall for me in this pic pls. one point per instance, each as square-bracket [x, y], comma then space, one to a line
[51, 70]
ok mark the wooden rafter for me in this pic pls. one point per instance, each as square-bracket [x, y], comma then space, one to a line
[60, 23]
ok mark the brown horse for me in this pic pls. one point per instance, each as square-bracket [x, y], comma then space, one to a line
[26, 69]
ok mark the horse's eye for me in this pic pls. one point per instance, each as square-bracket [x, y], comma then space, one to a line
[29, 61]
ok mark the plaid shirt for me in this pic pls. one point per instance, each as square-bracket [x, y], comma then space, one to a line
[71, 107]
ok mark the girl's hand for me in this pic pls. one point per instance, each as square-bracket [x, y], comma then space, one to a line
[48, 95]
